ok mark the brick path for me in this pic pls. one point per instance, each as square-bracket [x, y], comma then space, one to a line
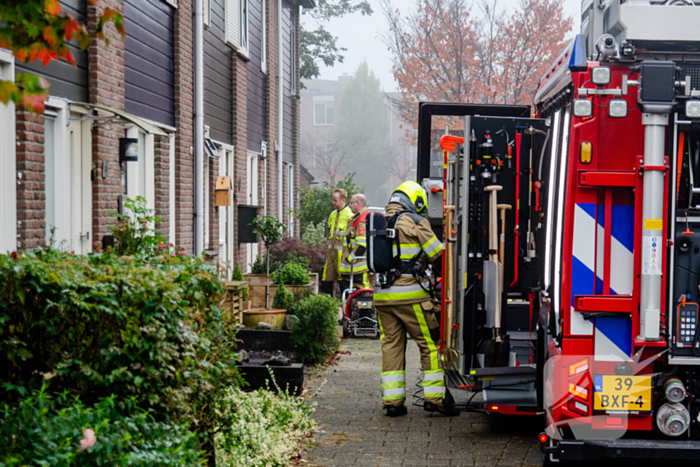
[354, 431]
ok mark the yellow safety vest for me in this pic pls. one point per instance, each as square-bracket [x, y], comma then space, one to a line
[337, 223]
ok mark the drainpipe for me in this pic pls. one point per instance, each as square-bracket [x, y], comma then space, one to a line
[198, 127]
[280, 112]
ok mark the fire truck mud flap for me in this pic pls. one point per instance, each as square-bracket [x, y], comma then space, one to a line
[571, 450]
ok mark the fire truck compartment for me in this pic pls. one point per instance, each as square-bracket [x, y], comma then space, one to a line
[598, 449]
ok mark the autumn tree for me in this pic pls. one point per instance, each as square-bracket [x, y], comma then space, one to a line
[330, 157]
[452, 51]
[39, 30]
[319, 45]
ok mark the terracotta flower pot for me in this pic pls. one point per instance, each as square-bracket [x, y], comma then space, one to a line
[274, 318]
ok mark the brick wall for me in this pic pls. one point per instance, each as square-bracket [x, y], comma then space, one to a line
[240, 149]
[273, 105]
[213, 227]
[106, 87]
[162, 183]
[184, 115]
[31, 192]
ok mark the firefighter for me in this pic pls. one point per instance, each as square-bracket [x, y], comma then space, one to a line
[407, 306]
[337, 223]
[355, 245]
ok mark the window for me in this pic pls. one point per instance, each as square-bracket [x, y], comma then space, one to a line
[263, 47]
[290, 200]
[8, 169]
[140, 175]
[293, 51]
[323, 110]
[236, 24]
[207, 12]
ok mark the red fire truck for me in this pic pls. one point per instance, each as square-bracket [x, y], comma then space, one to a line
[571, 229]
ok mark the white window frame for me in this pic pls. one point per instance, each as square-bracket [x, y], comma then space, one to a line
[57, 182]
[140, 175]
[8, 162]
[263, 47]
[206, 9]
[293, 51]
[326, 101]
[237, 25]
[207, 203]
[171, 191]
[172, 3]
[232, 22]
[228, 261]
[244, 47]
[290, 199]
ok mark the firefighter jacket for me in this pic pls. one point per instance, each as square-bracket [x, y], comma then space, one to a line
[355, 250]
[413, 238]
[337, 223]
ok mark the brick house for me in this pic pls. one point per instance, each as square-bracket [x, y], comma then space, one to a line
[62, 171]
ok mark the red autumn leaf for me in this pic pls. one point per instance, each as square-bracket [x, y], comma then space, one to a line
[34, 102]
[50, 36]
[67, 55]
[71, 28]
[22, 53]
[52, 7]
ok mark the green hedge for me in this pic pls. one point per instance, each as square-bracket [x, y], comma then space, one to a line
[146, 327]
[43, 430]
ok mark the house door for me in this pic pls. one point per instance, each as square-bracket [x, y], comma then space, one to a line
[252, 199]
[80, 187]
[226, 215]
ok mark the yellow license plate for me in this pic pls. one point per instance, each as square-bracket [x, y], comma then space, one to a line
[613, 393]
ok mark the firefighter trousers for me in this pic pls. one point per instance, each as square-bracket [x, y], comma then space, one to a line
[420, 322]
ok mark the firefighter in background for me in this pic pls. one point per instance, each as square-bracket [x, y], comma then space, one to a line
[355, 245]
[407, 306]
[337, 223]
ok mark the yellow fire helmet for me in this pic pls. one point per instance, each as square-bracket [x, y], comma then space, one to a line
[415, 194]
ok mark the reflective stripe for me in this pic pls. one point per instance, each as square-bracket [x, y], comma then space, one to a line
[432, 247]
[381, 338]
[335, 247]
[412, 250]
[432, 384]
[393, 378]
[394, 392]
[434, 391]
[394, 385]
[340, 232]
[426, 335]
[401, 292]
[439, 375]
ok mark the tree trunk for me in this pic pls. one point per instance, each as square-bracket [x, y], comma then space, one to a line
[267, 286]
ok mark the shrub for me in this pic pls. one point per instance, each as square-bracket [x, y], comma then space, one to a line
[283, 298]
[315, 234]
[237, 274]
[260, 265]
[45, 430]
[290, 247]
[103, 324]
[291, 274]
[265, 429]
[134, 234]
[315, 336]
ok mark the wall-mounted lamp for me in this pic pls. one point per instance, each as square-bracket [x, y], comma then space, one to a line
[128, 150]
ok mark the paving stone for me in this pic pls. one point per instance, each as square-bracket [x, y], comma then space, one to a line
[356, 432]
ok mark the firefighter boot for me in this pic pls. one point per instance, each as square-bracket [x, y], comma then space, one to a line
[448, 407]
[395, 410]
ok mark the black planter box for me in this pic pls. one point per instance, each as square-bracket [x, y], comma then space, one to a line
[257, 376]
[264, 339]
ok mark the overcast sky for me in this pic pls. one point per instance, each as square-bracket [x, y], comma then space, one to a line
[361, 36]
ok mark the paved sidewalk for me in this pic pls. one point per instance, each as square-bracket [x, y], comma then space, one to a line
[354, 431]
